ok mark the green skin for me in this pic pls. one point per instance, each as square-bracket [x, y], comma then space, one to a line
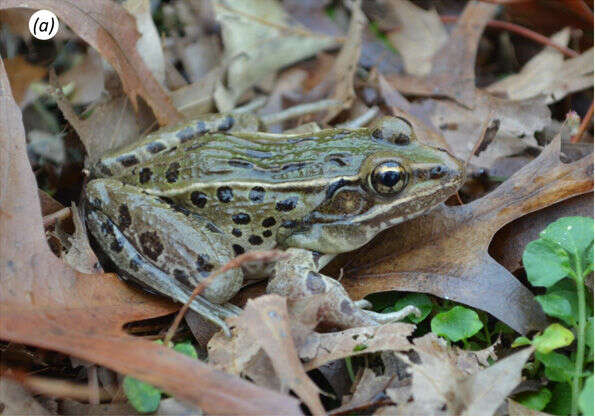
[183, 201]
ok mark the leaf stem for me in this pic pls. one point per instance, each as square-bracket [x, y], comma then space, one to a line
[580, 335]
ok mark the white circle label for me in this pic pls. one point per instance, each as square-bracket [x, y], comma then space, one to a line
[43, 24]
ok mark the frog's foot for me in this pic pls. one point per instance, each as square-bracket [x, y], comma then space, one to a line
[294, 277]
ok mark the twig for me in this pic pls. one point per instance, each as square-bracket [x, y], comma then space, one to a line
[298, 110]
[54, 217]
[362, 120]
[523, 31]
[583, 127]
[261, 256]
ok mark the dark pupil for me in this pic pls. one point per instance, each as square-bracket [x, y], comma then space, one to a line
[390, 178]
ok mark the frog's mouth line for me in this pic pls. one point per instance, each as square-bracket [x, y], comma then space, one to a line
[416, 203]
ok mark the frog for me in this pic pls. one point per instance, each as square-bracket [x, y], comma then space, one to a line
[171, 208]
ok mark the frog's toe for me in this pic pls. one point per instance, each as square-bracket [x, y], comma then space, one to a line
[363, 304]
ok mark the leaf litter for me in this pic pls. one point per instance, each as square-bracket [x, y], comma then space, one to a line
[275, 344]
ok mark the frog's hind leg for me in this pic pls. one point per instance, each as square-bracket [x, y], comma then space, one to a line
[297, 278]
[165, 250]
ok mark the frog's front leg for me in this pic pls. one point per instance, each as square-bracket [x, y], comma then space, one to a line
[166, 250]
[297, 278]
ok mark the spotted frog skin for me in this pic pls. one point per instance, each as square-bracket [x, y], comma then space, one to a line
[183, 201]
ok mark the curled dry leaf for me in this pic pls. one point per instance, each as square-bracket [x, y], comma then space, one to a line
[87, 79]
[547, 75]
[404, 257]
[319, 349]
[453, 65]
[45, 303]
[107, 27]
[260, 38]
[440, 387]
[342, 74]
[266, 320]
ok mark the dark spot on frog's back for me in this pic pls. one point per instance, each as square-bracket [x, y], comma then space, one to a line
[255, 240]
[185, 134]
[172, 172]
[151, 244]
[127, 160]
[135, 263]
[236, 232]
[155, 147]
[267, 233]
[226, 124]
[287, 204]
[145, 175]
[238, 249]
[268, 222]
[346, 307]
[256, 194]
[124, 216]
[241, 218]
[315, 283]
[198, 199]
[224, 194]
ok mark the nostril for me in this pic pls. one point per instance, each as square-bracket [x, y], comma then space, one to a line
[437, 172]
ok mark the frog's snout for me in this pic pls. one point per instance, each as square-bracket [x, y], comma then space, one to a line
[450, 170]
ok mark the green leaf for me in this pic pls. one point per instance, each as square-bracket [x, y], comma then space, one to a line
[456, 324]
[544, 263]
[555, 336]
[561, 401]
[557, 306]
[520, 342]
[558, 367]
[536, 400]
[142, 396]
[573, 234]
[585, 399]
[186, 348]
[420, 300]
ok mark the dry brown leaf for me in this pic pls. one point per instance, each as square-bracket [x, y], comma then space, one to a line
[260, 38]
[16, 400]
[45, 303]
[87, 78]
[548, 75]
[167, 407]
[418, 37]
[149, 43]
[509, 242]
[440, 387]
[445, 251]
[518, 122]
[80, 256]
[267, 321]
[107, 27]
[453, 65]
[342, 74]
[368, 389]
[319, 349]
[21, 75]
[197, 98]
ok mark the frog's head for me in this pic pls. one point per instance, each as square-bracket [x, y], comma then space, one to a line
[399, 178]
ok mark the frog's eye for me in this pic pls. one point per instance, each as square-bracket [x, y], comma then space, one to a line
[388, 178]
[396, 130]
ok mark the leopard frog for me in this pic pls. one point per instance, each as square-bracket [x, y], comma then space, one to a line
[184, 200]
